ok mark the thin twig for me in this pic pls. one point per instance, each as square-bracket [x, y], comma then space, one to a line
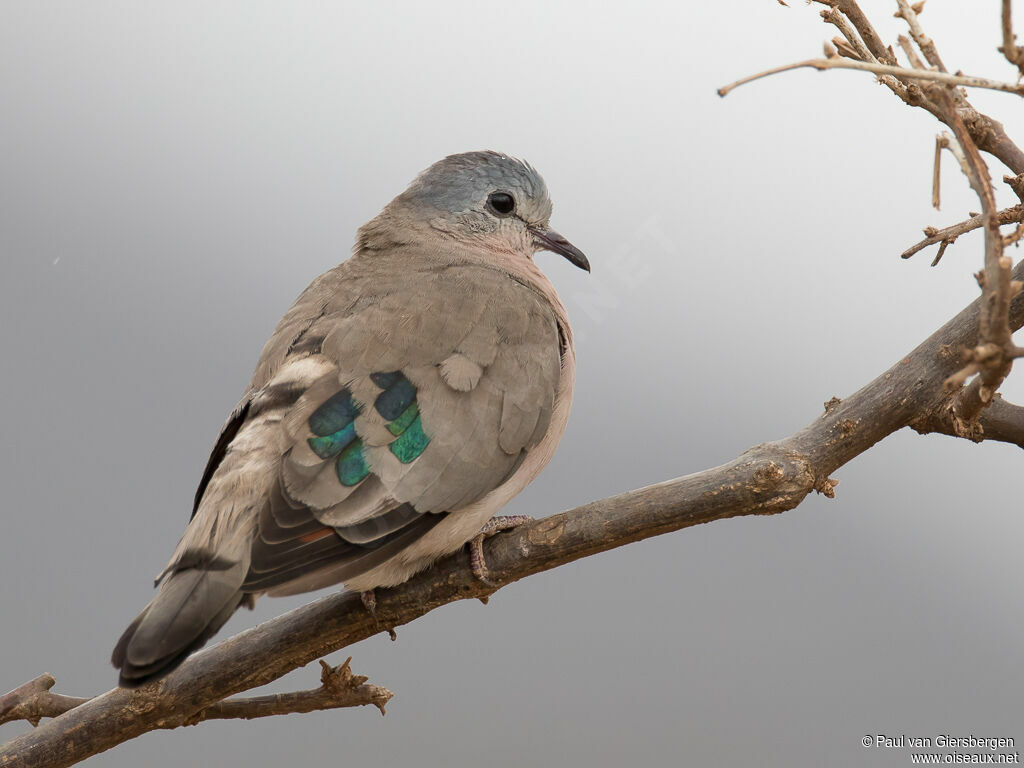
[954, 148]
[852, 11]
[908, 49]
[988, 134]
[948, 235]
[1014, 237]
[940, 143]
[837, 62]
[908, 14]
[1009, 49]
[857, 49]
[835, 17]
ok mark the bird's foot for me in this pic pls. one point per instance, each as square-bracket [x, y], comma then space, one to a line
[476, 545]
[369, 598]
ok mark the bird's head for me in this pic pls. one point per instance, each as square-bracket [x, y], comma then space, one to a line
[489, 199]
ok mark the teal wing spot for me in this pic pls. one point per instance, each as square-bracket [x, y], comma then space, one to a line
[327, 446]
[352, 466]
[335, 414]
[386, 380]
[393, 401]
[399, 425]
[412, 442]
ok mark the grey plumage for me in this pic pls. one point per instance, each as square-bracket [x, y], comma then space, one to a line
[404, 398]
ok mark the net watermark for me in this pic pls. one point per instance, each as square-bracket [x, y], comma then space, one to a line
[950, 749]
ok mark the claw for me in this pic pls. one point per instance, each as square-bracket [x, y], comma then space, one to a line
[477, 562]
[369, 599]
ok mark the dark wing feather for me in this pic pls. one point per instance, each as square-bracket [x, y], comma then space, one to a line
[227, 433]
[284, 555]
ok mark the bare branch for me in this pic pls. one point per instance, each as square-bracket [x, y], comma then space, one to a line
[940, 143]
[33, 701]
[1016, 183]
[852, 11]
[836, 18]
[908, 14]
[908, 49]
[1001, 421]
[838, 62]
[992, 358]
[987, 133]
[1009, 49]
[339, 687]
[948, 235]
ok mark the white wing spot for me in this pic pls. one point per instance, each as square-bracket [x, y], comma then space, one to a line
[460, 373]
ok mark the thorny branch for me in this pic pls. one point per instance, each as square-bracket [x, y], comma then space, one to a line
[766, 479]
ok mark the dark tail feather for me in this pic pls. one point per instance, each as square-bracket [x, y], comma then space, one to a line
[190, 607]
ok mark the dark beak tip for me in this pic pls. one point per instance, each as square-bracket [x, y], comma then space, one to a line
[550, 240]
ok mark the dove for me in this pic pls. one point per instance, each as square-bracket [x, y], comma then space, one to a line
[406, 396]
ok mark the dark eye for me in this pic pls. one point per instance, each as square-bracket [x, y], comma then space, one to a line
[502, 202]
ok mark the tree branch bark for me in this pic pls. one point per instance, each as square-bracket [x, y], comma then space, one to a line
[1009, 48]
[767, 479]
[339, 687]
[948, 235]
[1001, 421]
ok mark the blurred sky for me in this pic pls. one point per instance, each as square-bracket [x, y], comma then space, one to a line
[172, 175]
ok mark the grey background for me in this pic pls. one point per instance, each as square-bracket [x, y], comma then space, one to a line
[172, 175]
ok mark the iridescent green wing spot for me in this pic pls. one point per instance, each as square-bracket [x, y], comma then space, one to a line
[352, 467]
[397, 404]
[334, 429]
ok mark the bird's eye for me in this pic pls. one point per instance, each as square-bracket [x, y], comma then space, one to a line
[502, 202]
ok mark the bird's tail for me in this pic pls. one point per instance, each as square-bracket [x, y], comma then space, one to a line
[192, 604]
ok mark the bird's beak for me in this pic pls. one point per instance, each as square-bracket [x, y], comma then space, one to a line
[548, 239]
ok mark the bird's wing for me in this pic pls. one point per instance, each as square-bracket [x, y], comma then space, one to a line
[404, 393]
